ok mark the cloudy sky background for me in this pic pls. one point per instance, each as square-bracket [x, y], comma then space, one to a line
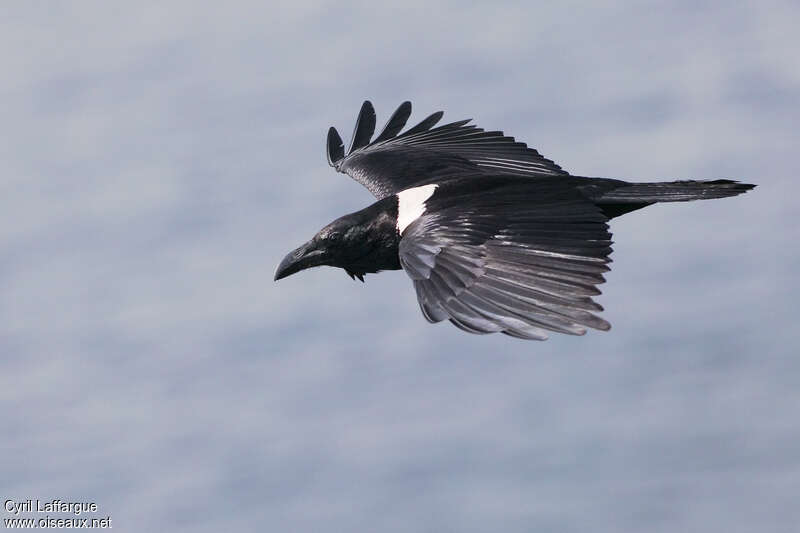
[157, 162]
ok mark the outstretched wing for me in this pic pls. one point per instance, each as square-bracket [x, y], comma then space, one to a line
[518, 260]
[424, 154]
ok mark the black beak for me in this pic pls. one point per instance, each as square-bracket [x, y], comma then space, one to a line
[304, 257]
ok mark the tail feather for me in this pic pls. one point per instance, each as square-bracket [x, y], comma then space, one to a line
[675, 191]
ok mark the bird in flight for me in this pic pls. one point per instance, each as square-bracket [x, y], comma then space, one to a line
[495, 237]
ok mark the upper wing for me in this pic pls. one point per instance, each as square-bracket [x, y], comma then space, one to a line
[424, 154]
[495, 264]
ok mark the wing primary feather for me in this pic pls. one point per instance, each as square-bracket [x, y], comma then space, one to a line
[426, 124]
[469, 329]
[411, 137]
[335, 147]
[505, 313]
[467, 316]
[504, 320]
[364, 128]
[539, 297]
[395, 123]
[432, 311]
[563, 320]
[517, 335]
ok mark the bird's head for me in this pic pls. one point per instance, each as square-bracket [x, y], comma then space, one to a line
[362, 242]
[328, 247]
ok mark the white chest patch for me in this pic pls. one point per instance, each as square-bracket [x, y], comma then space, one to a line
[411, 204]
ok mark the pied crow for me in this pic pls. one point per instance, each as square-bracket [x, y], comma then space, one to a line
[495, 237]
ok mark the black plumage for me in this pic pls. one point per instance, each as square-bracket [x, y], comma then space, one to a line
[364, 128]
[495, 237]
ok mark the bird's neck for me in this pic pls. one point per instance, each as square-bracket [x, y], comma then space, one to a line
[377, 248]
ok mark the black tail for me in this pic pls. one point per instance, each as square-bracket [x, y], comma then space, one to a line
[674, 191]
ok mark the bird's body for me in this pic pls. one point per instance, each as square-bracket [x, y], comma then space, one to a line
[495, 237]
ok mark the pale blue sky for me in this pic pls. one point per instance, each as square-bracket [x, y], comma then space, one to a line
[159, 160]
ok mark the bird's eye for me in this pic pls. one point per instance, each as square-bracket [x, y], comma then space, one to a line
[334, 236]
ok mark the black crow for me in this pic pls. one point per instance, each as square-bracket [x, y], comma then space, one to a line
[495, 237]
